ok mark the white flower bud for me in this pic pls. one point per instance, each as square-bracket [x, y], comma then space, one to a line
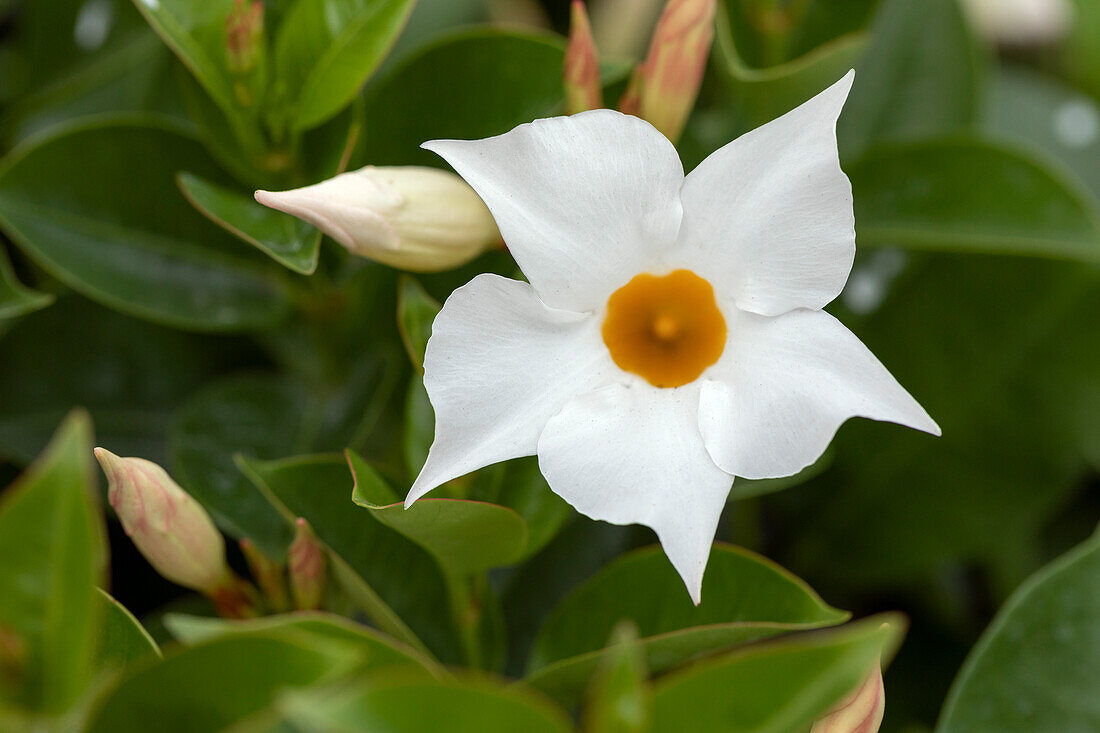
[171, 529]
[1021, 22]
[410, 217]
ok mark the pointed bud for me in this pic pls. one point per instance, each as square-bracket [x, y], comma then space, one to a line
[673, 70]
[267, 573]
[306, 561]
[171, 529]
[630, 103]
[860, 712]
[581, 72]
[409, 217]
[244, 35]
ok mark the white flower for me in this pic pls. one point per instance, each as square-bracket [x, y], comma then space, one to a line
[410, 217]
[672, 335]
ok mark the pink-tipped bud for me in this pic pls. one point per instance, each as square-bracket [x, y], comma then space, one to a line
[267, 573]
[630, 103]
[244, 35]
[673, 70]
[860, 712]
[581, 72]
[306, 561]
[171, 529]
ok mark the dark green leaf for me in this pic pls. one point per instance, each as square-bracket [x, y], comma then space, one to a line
[16, 299]
[519, 485]
[921, 76]
[619, 698]
[759, 35]
[53, 550]
[775, 687]
[122, 640]
[971, 196]
[465, 537]
[95, 205]
[286, 239]
[326, 49]
[399, 583]
[1034, 668]
[415, 705]
[214, 685]
[745, 598]
[416, 310]
[517, 77]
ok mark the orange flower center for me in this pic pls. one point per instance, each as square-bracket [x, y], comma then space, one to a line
[666, 329]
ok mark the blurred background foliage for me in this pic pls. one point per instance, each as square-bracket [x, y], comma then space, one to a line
[138, 279]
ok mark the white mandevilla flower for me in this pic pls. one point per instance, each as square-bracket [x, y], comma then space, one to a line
[672, 335]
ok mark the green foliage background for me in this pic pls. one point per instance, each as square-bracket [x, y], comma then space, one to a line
[236, 347]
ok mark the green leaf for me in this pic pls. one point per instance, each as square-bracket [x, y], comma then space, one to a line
[196, 33]
[422, 706]
[921, 76]
[519, 485]
[132, 377]
[776, 687]
[122, 640]
[760, 36]
[465, 537]
[258, 415]
[745, 598]
[94, 204]
[326, 49]
[416, 310]
[220, 683]
[619, 698]
[16, 299]
[971, 196]
[1034, 669]
[401, 586]
[374, 649]
[284, 238]
[53, 550]
[488, 81]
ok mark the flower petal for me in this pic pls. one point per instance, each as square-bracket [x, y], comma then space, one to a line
[499, 364]
[769, 217]
[633, 455]
[584, 202]
[785, 385]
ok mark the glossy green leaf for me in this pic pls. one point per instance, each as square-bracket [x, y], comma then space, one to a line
[16, 299]
[286, 239]
[517, 77]
[220, 683]
[53, 550]
[374, 649]
[401, 586]
[775, 687]
[132, 377]
[259, 415]
[196, 33]
[326, 49]
[1034, 668]
[519, 485]
[465, 537]
[764, 36]
[415, 705]
[745, 598]
[921, 76]
[971, 196]
[416, 310]
[619, 698]
[94, 204]
[122, 639]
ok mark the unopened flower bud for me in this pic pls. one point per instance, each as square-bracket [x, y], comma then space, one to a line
[306, 561]
[1021, 22]
[171, 529]
[581, 72]
[267, 573]
[244, 35]
[860, 712]
[409, 217]
[673, 70]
